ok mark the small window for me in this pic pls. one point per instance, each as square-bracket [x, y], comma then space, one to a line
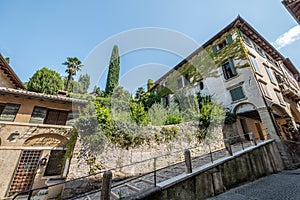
[259, 50]
[38, 115]
[270, 74]
[179, 82]
[237, 93]
[186, 80]
[265, 90]
[55, 163]
[279, 97]
[223, 44]
[201, 85]
[254, 63]
[247, 40]
[229, 69]
[8, 112]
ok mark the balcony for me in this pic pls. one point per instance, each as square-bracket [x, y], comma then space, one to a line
[289, 92]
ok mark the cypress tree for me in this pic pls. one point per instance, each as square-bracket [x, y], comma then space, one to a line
[112, 80]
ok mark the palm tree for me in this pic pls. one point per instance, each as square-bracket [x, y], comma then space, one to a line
[73, 65]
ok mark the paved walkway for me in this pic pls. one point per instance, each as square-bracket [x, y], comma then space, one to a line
[282, 186]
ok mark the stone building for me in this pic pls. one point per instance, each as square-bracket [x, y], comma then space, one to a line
[293, 6]
[242, 70]
[35, 130]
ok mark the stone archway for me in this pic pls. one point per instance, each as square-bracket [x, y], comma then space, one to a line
[249, 121]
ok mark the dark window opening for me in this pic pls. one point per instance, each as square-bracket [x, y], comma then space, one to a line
[201, 85]
[8, 111]
[55, 164]
[229, 69]
[237, 93]
[222, 44]
[186, 80]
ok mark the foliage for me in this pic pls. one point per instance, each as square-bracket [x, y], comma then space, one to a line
[148, 99]
[102, 112]
[211, 114]
[120, 104]
[230, 117]
[81, 86]
[97, 91]
[112, 80]
[188, 105]
[73, 65]
[157, 114]
[70, 146]
[138, 113]
[150, 84]
[173, 114]
[7, 60]
[169, 133]
[127, 135]
[139, 93]
[45, 81]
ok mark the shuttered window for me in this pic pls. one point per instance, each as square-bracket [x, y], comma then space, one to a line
[254, 63]
[55, 163]
[270, 74]
[222, 44]
[229, 70]
[38, 115]
[237, 93]
[8, 112]
[56, 117]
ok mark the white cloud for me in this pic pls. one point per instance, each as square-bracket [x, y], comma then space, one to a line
[287, 38]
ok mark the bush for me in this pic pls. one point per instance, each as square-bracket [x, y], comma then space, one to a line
[169, 133]
[173, 119]
[157, 114]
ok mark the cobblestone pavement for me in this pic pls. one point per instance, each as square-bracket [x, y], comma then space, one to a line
[132, 186]
[282, 186]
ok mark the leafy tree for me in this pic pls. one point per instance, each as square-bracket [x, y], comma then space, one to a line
[157, 114]
[139, 93]
[148, 99]
[45, 81]
[73, 65]
[138, 113]
[85, 82]
[211, 114]
[150, 84]
[112, 80]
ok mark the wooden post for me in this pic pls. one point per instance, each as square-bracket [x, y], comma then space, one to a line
[228, 146]
[106, 185]
[188, 162]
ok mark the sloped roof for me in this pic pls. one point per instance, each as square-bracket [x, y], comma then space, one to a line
[4, 66]
[293, 6]
[16, 92]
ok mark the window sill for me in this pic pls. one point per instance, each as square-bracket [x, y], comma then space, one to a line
[234, 77]
[239, 100]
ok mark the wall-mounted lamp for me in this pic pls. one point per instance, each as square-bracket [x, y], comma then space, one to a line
[43, 161]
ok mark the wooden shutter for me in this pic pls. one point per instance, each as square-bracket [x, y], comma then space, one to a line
[229, 39]
[38, 115]
[9, 112]
[232, 67]
[52, 116]
[237, 93]
[62, 118]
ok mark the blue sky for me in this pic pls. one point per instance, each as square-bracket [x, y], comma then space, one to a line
[36, 34]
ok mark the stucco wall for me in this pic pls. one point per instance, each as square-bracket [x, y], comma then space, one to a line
[5, 82]
[8, 162]
[27, 106]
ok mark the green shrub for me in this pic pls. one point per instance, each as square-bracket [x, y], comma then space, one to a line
[173, 119]
[169, 133]
[157, 114]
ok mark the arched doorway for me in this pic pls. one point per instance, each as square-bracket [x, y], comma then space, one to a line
[249, 121]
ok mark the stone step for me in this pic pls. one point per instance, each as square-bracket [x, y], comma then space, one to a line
[132, 187]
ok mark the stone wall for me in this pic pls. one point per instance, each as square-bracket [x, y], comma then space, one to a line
[114, 158]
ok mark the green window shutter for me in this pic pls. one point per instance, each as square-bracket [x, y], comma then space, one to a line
[214, 49]
[229, 39]
[72, 116]
[38, 115]
[9, 112]
[232, 67]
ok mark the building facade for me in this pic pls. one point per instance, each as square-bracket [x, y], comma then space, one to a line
[244, 72]
[35, 130]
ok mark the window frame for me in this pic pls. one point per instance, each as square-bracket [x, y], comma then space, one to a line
[270, 74]
[235, 89]
[229, 71]
[254, 63]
